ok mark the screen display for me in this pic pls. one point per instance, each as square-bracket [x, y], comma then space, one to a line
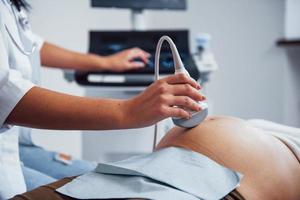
[110, 42]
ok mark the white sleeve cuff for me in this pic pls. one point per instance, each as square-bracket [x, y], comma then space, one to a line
[11, 93]
[38, 40]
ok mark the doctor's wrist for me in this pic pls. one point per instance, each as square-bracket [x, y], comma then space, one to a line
[98, 62]
[127, 115]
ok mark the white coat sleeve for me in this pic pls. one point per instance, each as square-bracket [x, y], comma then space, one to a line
[12, 84]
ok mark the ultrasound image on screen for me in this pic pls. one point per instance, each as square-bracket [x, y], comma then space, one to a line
[107, 43]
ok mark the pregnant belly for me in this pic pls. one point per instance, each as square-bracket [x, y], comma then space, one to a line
[266, 163]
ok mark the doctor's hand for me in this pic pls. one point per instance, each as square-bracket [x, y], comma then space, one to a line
[157, 101]
[133, 58]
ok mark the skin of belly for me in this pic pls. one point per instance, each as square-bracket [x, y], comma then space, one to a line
[270, 170]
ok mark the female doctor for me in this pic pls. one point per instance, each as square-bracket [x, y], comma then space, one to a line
[24, 104]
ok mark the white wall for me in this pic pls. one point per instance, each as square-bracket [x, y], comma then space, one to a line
[292, 71]
[249, 83]
[292, 18]
[250, 80]
[292, 88]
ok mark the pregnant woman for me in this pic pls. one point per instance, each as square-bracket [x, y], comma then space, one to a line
[268, 161]
[270, 166]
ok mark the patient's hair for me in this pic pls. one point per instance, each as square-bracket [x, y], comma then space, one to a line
[19, 4]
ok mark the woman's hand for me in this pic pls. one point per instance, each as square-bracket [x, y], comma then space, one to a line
[133, 58]
[157, 101]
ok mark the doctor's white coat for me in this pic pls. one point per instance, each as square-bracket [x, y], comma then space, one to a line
[18, 74]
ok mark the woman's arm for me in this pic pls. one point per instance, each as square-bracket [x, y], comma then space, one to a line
[42, 108]
[57, 57]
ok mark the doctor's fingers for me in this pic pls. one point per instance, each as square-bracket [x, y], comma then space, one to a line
[184, 102]
[138, 53]
[186, 90]
[181, 78]
[134, 65]
[163, 87]
[177, 112]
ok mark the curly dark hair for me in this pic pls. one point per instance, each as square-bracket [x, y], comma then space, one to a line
[21, 4]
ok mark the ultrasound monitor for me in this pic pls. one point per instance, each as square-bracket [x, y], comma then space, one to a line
[141, 4]
[110, 42]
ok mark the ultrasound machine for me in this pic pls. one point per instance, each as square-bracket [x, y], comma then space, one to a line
[106, 84]
[109, 42]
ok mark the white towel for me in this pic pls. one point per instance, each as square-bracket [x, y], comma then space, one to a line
[171, 173]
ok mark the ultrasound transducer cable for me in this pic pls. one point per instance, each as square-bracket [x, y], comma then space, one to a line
[197, 117]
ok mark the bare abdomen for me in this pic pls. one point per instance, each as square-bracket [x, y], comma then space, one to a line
[270, 170]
